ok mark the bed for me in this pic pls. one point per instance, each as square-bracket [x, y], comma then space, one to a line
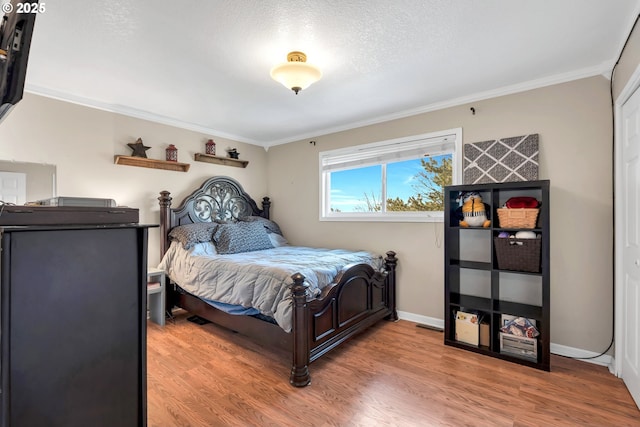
[322, 315]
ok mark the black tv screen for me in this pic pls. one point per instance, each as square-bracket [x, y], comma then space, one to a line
[16, 30]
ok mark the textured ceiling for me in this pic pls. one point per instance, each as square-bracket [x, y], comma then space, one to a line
[204, 65]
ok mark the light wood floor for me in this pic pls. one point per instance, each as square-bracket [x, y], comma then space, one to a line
[396, 374]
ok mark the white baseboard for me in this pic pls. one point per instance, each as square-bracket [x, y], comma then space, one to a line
[578, 353]
[424, 320]
[560, 350]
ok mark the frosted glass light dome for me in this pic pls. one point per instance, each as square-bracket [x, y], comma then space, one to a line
[296, 74]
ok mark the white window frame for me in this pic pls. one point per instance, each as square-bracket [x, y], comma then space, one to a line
[389, 151]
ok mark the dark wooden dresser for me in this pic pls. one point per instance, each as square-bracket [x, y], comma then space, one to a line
[73, 322]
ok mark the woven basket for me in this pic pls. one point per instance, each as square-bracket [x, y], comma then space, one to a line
[518, 218]
[518, 254]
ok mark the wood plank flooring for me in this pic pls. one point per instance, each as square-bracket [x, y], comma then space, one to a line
[395, 374]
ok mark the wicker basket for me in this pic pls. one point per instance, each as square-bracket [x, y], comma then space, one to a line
[518, 254]
[518, 218]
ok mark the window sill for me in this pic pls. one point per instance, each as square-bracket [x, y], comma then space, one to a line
[385, 218]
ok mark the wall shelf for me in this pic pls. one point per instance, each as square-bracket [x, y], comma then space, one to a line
[226, 161]
[151, 163]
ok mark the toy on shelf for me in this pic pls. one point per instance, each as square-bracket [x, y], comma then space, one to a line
[473, 212]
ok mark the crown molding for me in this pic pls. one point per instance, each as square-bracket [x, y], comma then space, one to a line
[135, 113]
[601, 69]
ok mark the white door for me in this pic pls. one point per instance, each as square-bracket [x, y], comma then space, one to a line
[13, 187]
[628, 300]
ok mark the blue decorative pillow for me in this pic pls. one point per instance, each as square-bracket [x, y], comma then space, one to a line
[241, 237]
[190, 234]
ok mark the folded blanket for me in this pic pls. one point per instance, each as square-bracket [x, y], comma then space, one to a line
[522, 202]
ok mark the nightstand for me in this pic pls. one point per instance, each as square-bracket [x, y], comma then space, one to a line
[155, 295]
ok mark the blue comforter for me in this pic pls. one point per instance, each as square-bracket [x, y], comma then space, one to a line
[258, 279]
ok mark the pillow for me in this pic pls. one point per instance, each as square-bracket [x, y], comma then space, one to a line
[271, 226]
[277, 240]
[203, 249]
[241, 237]
[190, 234]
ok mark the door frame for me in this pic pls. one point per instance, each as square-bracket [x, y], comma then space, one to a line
[629, 89]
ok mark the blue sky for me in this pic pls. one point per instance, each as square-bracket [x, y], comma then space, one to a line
[349, 187]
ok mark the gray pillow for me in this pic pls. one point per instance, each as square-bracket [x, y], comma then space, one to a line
[241, 237]
[271, 226]
[277, 240]
[190, 234]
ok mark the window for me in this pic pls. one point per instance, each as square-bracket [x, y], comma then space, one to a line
[396, 180]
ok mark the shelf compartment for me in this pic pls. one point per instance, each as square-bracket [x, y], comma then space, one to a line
[520, 288]
[471, 302]
[474, 245]
[150, 163]
[517, 309]
[225, 161]
[474, 265]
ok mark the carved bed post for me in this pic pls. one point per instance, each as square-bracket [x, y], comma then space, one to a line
[390, 262]
[300, 370]
[266, 205]
[165, 212]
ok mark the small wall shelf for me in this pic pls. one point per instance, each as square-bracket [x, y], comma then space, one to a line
[226, 161]
[151, 163]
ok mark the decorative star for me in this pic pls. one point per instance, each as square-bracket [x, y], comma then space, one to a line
[139, 150]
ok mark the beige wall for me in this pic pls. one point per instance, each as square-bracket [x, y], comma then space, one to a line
[573, 120]
[82, 142]
[574, 123]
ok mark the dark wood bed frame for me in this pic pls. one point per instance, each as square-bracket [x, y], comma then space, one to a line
[357, 298]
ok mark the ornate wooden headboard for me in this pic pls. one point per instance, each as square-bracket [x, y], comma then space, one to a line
[218, 198]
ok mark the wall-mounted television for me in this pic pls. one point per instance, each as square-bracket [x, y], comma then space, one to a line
[16, 30]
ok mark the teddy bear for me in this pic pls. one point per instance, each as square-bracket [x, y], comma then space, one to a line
[473, 212]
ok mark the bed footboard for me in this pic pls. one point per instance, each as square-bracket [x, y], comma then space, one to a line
[358, 298]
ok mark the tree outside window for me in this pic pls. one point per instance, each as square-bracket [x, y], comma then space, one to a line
[405, 176]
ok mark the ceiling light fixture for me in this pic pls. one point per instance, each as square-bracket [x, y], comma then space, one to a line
[296, 74]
